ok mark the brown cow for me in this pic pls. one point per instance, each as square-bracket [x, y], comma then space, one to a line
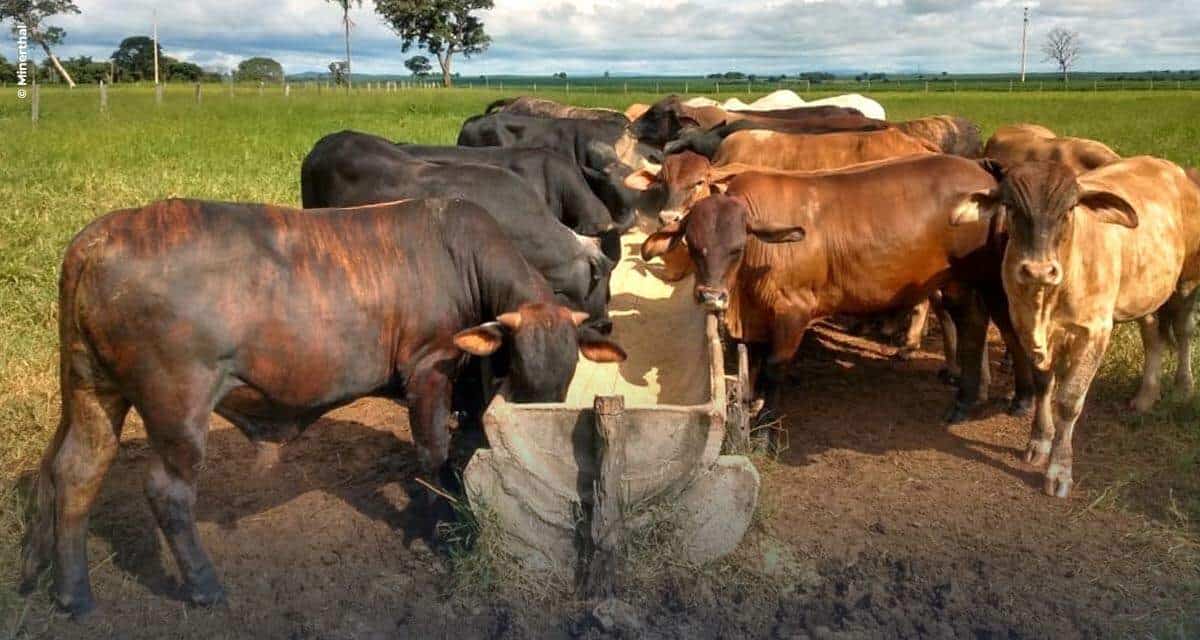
[1015, 144]
[635, 110]
[1116, 244]
[688, 177]
[542, 108]
[778, 251]
[951, 134]
[271, 317]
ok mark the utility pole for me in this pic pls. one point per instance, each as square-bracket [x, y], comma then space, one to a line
[156, 47]
[1024, 39]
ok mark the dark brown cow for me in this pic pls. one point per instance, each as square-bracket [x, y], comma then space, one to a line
[666, 119]
[951, 134]
[1015, 144]
[542, 108]
[270, 317]
[777, 252]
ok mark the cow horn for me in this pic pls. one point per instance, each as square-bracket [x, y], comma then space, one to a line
[511, 320]
[578, 317]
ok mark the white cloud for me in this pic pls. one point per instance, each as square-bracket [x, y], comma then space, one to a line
[676, 36]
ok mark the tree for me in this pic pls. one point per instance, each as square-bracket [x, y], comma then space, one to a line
[1062, 48]
[29, 14]
[419, 66]
[134, 58]
[345, 5]
[183, 71]
[339, 70]
[8, 72]
[260, 69]
[442, 27]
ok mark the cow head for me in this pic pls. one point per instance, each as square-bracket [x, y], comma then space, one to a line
[1040, 202]
[544, 340]
[606, 174]
[684, 180]
[663, 122]
[716, 232]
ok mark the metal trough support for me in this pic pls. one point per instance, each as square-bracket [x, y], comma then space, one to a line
[566, 484]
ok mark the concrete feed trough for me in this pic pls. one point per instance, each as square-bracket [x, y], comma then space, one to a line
[651, 455]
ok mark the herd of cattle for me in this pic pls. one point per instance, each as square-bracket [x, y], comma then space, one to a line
[408, 259]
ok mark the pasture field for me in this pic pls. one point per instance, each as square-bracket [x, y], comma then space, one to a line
[875, 497]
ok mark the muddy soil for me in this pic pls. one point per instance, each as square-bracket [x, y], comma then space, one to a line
[888, 524]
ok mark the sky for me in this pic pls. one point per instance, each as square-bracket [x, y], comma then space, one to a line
[666, 37]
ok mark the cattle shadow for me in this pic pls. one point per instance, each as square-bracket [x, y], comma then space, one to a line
[342, 458]
[841, 393]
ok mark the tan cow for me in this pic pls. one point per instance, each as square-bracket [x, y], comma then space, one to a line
[635, 110]
[1015, 144]
[1120, 243]
[951, 134]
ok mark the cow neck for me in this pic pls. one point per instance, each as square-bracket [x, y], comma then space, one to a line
[502, 283]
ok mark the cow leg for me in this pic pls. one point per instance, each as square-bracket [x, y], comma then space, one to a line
[971, 321]
[787, 334]
[1037, 452]
[1069, 395]
[1022, 367]
[915, 331]
[1152, 344]
[950, 373]
[1183, 326]
[177, 423]
[90, 435]
[430, 390]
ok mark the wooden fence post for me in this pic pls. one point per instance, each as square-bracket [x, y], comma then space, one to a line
[197, 93]
[807, 85]
[260, 88]
[626, 88]
[685, 88]
[158, 94]
[287, 90]
[35, 103]
[103, 97]
[718, 88]
[608, 497]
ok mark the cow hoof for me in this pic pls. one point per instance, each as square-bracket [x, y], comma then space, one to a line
[1142, 403]
[206, 595]
[1058, 481]
[1037, 452]
[948, 377]
[1020, 407]
[79, 607]
[958, 413]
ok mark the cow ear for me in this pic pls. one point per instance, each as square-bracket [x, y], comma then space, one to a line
[975, 206]
[640, 180]
[1109, 207]
[775, 232]
[597, 348]
[482, 340]
[662, 241]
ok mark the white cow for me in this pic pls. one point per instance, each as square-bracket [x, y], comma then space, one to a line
[785, 99]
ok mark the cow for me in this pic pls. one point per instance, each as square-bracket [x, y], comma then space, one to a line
[271, 317]
[542, 108]
[688, 176]
[786, 99]
[635, 110]
[668, 118]
[952, 134]
[777, 252]
[1015, 144]
[706, 142]
[348, 169]
[605, 152]
[554, 176]
[1116, 244]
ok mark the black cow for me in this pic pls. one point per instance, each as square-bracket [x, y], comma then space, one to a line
[271, 317]
[349, 168]
[605, 152]
[554, 176]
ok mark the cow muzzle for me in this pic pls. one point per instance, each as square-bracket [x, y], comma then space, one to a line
[711, 298]
[1047, 273]
[669, 216]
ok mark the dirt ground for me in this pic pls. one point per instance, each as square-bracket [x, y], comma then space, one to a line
[890, 524]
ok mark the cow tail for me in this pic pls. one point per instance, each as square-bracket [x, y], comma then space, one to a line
[40, 534]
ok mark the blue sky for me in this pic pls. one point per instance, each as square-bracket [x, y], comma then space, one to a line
[584, 37]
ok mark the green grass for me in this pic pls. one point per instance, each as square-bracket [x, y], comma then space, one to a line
[78, 163]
